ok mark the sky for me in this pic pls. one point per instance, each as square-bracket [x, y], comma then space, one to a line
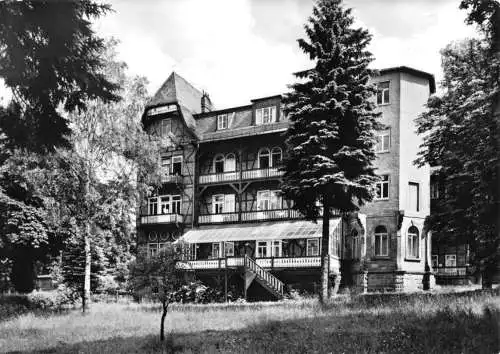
[237, 50]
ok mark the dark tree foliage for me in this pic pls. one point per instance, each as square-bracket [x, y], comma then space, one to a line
[461, 135]
[49, 57]
[330, 144]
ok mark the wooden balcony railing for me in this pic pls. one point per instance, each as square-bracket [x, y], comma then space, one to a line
[260, 173]
[249, 216]
[451, 271]
[161, 219]
[270, 215]
[267, 263]
[168, 178]
[218, 218]
[219, 177]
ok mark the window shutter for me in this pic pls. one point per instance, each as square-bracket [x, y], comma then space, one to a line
[258, 116]
[230, 163]
[230, 120]
[229, 203]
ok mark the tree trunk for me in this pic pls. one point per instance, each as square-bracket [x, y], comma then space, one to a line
[86, 281]
[325, 253]
[165, 304]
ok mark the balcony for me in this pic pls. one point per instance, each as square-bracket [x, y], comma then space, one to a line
[167, 178]
[219, 177]
[261, 173]
[161, 219]
[267, 263]
[233, 176]
[279, 214]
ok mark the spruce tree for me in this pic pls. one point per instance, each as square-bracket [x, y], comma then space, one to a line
[330, 143]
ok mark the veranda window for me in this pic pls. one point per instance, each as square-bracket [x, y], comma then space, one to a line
[262, 249]
[276, 156]
[312, 247]
[264, 158]
[153, 206]
[229, 249]
[269, 200]
[219, 164]
[177, 165]
[165, 204]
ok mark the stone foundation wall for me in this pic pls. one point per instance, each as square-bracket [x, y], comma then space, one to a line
[390, 281]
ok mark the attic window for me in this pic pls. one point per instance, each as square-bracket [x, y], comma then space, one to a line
[222, 121]
[265, 115]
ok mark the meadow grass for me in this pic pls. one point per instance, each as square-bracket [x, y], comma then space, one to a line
[464, 322]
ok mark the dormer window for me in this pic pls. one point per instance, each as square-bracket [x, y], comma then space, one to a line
[222, 121]
[265, 115]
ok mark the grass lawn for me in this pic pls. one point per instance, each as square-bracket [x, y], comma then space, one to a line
[466, 322]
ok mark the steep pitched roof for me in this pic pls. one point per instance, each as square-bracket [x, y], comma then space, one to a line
[177, 90]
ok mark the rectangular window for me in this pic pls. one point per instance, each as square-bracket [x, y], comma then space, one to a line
[177, 165]
[434, 190]
[165, 204]
[176, 204]
[383, 141]
[216, 250]
[218, 204]
[382, 188]
[222, 121]
[229, 249]
[413, 196]
[262, 249]
[276, 250]
[381, 244]
[434, 261]
[265, 115]
[383, 93]
[413, 247]
[313, 247]
[450, 260]
[165, 165]
[153, 206]
[152, 249]
[269, 200]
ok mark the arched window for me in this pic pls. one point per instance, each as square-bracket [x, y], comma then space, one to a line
[264, 158]
[277, 156]
[219, 163]
[230, 163]
[413, 249]
[356, 251]
[381, 241]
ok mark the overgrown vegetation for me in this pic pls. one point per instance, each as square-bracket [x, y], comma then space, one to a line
[412, 323]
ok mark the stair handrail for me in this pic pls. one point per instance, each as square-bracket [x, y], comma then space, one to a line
[264, 274]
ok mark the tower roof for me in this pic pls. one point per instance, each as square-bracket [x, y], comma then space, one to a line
[177, 90]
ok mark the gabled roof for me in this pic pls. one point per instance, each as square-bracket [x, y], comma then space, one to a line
[177, 90]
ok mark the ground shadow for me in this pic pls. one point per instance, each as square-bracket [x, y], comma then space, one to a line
[447, 331]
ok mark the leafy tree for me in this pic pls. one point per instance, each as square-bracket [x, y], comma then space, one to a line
[330, 143]
[49, 56]
[111, 163]
[461, 135]
[162, 276]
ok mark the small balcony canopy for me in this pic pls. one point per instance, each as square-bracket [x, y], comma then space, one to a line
[259, 231]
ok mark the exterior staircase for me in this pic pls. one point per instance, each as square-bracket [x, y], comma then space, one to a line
[268, 281]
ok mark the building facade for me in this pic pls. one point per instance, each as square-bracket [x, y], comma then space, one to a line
[221, 193]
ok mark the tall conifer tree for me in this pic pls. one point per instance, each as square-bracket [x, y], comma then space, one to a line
[330, 143]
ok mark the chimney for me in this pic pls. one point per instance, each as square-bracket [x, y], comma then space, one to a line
[206, 104]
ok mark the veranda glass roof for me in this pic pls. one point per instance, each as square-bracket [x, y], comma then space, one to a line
[260, 231]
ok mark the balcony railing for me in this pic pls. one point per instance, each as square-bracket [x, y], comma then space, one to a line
[451, 271]
[219, 177]
[268, 263]
[271, 215]
[218, 218]
[161, 219]
[167, 178]
[249, 216]
[260, 173]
